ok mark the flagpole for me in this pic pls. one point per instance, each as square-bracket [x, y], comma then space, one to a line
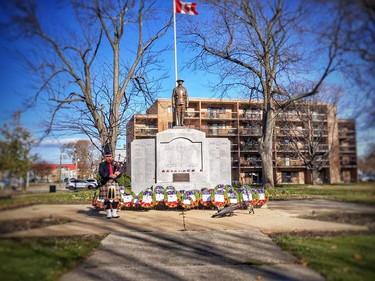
[175, 41]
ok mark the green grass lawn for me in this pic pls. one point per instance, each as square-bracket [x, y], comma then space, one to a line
[342, 257]
[363, 193]
[67, 197]
[43, 258]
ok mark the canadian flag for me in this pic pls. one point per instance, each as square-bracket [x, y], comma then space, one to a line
[186, 8]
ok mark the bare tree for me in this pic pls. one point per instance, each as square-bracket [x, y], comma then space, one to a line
[83, 153]
[96, 68]
[308, 129]
[367, 163]
[41, 170]
[255, 48]
[355, 22]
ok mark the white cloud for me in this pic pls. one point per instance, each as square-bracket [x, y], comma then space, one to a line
[56, 142]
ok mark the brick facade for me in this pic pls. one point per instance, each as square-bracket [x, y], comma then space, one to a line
[240, 122]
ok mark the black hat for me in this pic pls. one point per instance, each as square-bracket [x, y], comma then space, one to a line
[107, 149]
[179, 79]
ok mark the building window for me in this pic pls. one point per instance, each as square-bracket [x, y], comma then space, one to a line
[289, 177]
[287, 161]
[170, 125]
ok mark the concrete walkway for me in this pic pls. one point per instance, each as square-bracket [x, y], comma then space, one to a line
[153, 245]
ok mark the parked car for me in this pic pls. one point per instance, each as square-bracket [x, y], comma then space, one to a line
[74, 184]
[92, 183]
[368, 178]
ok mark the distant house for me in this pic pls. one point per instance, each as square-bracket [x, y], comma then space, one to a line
[57, 173]
[67, 171]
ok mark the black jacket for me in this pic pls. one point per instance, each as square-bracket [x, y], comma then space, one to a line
[104, 172]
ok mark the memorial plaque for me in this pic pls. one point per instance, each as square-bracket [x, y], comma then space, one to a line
[181, 177]
[142, 164]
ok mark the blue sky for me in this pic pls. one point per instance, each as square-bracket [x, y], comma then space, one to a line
[15, 83]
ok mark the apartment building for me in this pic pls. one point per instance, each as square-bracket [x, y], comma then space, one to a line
[348, 150]
[305, 134]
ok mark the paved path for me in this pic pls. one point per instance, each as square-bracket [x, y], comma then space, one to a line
[152, 245]
[191, 255]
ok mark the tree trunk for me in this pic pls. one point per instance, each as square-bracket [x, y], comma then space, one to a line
[268, 124]
[315, 177]
[267, 164]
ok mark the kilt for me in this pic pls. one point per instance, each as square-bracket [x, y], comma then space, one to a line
[108, 193]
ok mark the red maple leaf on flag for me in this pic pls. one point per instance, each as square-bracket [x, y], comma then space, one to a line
[186, 8]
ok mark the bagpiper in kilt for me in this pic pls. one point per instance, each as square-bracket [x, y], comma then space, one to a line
[110, 192]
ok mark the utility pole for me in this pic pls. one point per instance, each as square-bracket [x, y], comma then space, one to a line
[60, 169]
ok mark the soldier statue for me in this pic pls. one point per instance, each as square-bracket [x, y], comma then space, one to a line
[180, 102]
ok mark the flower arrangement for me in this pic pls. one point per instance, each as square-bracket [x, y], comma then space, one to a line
[219, 197]
[233, 196]
[263, 197]
[127, 197]
[96, 201]
[205, 198]
[172, 197]
[147, 199]
[247, 195]
[220, 186]
[136, 203]
[159, 195]
[187, 201]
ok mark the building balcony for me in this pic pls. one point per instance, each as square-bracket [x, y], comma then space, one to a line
[322, 148]
[250, 116]
[250, 162]
[346, 135]
[298, 132]
[192, 114]
[145, 131]
[320, 133]
[290, 116]
[289, 163]
[347, 149]
[319, 117]
[250, 131]
[219, 132]
[286, 147]
[348, 164]
[249, 147]
[219, 115]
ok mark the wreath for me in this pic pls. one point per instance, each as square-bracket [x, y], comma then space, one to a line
[97, 202]
[187, 201]
[219, 196]
[250, 197]
[136, 202]
[94, 200]
[195, 196]
[263, 197]
[127, 197]
[172, 198]
[159, 195]
[233, 197]
[205, 198]
[220, 186]
[146, 199]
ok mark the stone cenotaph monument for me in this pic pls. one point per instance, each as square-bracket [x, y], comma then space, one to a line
[182, 157]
